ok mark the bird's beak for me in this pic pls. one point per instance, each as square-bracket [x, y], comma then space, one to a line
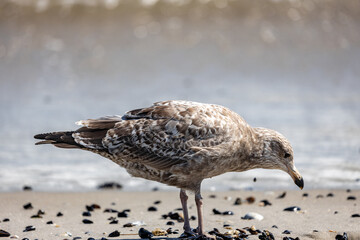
[295, 175]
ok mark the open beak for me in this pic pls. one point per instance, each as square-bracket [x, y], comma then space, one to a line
[295, 175]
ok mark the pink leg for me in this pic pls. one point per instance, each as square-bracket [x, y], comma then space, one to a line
[183, 199]
[199, 204]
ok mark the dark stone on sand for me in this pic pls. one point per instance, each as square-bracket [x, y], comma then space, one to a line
[330, 195]
[286, 232]
[128, 225]
[114, 234]
[336, 212]
[95, 206]
[355, 215]
[87, 221]
[155, 189]
[212, 196]
[178, 209]
[59, 214]
[143, 233]
[254, 180]
[157, 202]
[36, 216]
[110, 210]
[348, 190]
[28, 206]
[25, 239]
[305, 195]
[342, 237]
[315, 231]
[250, 199]
[274, 226]
[320, 196]
[152, 209]
[227, 213]
[265, 203]
[91, 238]
[192, 218]
[237, 201]
[266, 235]
[103, 238]
[6, 220]
[292, 209]
[89, 208]
[282, 195]
[49, 222]
[216, 212]
[110, 185]
[86, 214]
[29, 229]
[290, 238]
[114, 221]
[170, 223]
[174, 216]
[351, 198]
[4, 233]
[27, 188]
[122, 214]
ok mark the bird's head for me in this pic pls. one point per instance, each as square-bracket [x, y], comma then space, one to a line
[278, 154]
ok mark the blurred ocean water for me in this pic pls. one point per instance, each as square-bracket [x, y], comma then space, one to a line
[292, 66]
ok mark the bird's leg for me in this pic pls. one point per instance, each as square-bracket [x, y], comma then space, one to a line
[199, 204]
[183, 199]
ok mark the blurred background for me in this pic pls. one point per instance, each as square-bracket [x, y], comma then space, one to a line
[288, 65]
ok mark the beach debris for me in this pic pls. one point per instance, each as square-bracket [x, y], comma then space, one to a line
[66, 234]
[123, 214]
[250, 200]
[113, 221]
[187, 235]
[264, 203]
[232, 233]
[49, 222]
[330, 195]
[157, 202]
[266, 235]
[39, 214]
[87, 221]
[143, 233]
[286, 232]
[174, 216]
[116, 233]
[252, 230]
[336, 212]
[4, 233]
[86, 214]
[36, 216]
[92, 207]
[27, 188]
[305, 195]
[14, 237]
[281, 195]
[110, 185]
[6, 220]
[274, 226]
[170, 231]
[217, 212]
[110, 210]
[292, 209]
[135, 223]
[237, 201]
[159, 232]
[341, 237]
[59, 214]
[351, 198]
[228, 213]
[152, 209]
[29, 228]
[253, 215]
[170, 223]
[355, 215]
[227, 198]
[28, 206]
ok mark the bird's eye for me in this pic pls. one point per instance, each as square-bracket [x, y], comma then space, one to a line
[287, 155]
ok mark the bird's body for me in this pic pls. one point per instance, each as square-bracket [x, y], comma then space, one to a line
[179, 143]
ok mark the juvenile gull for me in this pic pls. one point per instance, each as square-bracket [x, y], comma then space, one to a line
[180, 143]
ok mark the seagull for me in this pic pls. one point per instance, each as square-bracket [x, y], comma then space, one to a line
[181, 143]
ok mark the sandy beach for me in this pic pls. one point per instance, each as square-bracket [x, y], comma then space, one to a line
[323, 215]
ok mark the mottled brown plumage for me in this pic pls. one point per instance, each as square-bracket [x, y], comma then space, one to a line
[180, 143]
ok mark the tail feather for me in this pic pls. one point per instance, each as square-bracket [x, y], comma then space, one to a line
[58, 139]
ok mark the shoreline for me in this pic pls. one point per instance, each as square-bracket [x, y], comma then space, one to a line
[326, 211]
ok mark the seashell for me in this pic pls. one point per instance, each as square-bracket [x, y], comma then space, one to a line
[143, 233]
[253, 215]
[28, 206]
[292, 209]
[4, 233]
[114, 234]
[87, 221]
[159, 232]
[281, 195]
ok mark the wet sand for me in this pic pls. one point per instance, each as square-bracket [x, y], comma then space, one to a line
[323, 214]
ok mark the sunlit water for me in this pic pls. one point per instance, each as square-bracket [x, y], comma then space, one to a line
[289, 66]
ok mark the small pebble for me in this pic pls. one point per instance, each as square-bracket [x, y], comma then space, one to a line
[274, 226]
[157, 202]
[59, 214]
[355, 215]
[89, 208]
[76, 238]
[152, 209]
[250, 199]
[110, 210]
[90, 238]
[286, 232]
[292, 209]
[122, 214]
[110, 185]
[216, 212]
[237, 201]
[305, 195]
[28, 206]
[87, 221]
[320, 196]
[29, 228]
[282, 195]
[14, 237]
[49, 222]
[192, 218]
[4, 233]
[348, 190]
[227, 213]
[342, 237]
[143, 233]
[254, 180]
[264, 203]
[128, 225]
[114, 221]
[170, 223]
[86, 214]
[114, 234]
[330, 195]
[212, 196]
[6, 220]
[336, 212]
[27, 188]
[351, 198]
[253, 215]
